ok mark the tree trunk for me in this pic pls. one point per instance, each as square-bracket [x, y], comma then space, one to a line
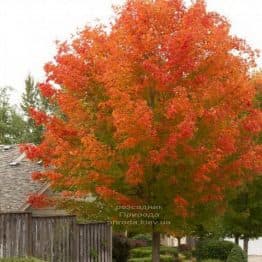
[237, 239]
[178, 241]
[246, 239]
[155, 246]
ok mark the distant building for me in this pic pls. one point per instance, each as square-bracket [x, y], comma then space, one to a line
[171, 241]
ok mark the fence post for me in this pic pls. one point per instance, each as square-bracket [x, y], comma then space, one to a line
[29, 237]
[110, 242]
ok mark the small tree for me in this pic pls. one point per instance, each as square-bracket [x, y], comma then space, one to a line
[12, 125]
[32, 98]
[157, 113]
[244, 214]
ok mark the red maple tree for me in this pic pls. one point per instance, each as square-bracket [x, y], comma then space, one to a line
[157, 111]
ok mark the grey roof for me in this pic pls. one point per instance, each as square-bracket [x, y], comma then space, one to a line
[15, 178]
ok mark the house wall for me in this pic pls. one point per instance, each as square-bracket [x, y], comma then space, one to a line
[171, 241]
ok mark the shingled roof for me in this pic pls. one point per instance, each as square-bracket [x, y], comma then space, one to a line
[15, 178]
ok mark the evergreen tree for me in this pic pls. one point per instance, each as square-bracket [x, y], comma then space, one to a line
[32, 98]
[12, 125]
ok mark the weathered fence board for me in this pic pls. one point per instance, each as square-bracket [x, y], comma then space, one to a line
[94, 242]
[51, 238]
[14, 234]
[54, 239]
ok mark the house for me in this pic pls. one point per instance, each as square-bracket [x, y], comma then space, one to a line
[171, 241]
[16, 183]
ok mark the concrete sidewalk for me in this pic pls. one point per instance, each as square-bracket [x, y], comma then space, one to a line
[254, 258]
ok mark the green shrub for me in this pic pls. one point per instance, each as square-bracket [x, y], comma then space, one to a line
[172, 251]
[20, 259]
[144, 237]
[141, 259]
[140, 252]
[163, 258]
[213, 249]
[147, 251]
[237, 254]
[166, 258]
[211, 260]
[187, 254]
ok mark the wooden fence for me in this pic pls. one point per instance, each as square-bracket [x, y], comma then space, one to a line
[54, 239]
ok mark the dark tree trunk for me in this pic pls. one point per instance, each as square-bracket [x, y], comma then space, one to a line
[237, 239]
[155, 246]
[246, 239]
[178, 241]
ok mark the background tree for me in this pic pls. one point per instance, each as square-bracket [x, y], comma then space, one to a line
[157, 112]
[12, 125]
[243, 216]
[32, 98]
[244, 213]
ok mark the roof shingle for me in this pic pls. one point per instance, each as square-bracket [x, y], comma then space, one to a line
[15, 178]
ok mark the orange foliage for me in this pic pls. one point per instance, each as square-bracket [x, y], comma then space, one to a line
[157, 110]
[40, 201]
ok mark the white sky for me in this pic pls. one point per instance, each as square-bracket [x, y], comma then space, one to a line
[28, 29]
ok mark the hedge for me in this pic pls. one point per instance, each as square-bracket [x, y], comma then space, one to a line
[163, 258]
[214, 249]
[144, 237]
[237, 254]
[211, 260]
[140, 252]
[169, 251]
[147, 251]
[141, 259]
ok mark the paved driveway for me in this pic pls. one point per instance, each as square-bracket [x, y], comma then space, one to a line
[254, 258]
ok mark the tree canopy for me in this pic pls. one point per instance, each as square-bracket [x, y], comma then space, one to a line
[157, 111]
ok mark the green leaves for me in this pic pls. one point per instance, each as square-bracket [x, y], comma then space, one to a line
[12, 124]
